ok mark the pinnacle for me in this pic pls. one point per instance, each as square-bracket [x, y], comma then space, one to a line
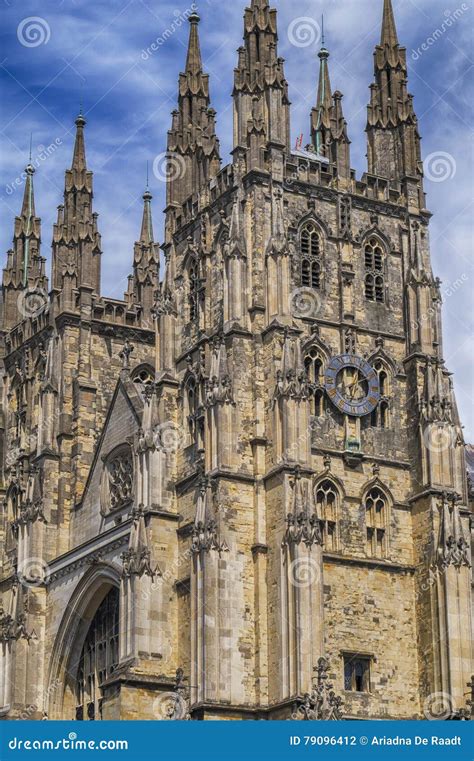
[389, 31]
[324, 87]
[28, 206]
[193, 59]
[146, 234]
[79, 155]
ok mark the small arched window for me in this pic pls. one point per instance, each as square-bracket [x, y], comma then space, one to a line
[143, 375]
[315, 373]
[310, 253]
[13, 511]
[327, 504]
[376, 517]
[193, 293]
[384, 409]
[380, 417]
[374, 271]
[191, 407]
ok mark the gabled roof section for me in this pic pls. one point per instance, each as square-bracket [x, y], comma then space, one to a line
[126, 392]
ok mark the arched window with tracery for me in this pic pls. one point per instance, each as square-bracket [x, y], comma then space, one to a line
[311, 256]
[143, 375]
[313, 363]
[380, 417]
[374, 271]
[193, 410]
[99, 658]
[118, 480]
[327, 505]
[376, 519]
[193, 290]
[12, 501]
[192, 404]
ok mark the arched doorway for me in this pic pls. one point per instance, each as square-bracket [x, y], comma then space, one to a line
[86, 650]
[99, 658]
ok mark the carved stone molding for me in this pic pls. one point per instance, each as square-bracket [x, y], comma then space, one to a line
[322, 704]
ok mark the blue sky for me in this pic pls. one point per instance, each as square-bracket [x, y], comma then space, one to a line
[96, 51]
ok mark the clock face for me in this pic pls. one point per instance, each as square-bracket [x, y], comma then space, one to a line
[352, 385]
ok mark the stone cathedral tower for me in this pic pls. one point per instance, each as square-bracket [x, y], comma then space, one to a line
[239, 492]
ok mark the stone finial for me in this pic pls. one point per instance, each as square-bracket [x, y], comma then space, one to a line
[322, 704]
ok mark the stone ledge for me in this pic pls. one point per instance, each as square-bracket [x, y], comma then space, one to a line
[380, 564]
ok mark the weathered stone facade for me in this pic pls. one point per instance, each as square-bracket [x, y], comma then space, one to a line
[191, 528]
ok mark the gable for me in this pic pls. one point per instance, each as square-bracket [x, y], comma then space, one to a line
[122, 424]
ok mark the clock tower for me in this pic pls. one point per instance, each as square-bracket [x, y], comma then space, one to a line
[245, 481]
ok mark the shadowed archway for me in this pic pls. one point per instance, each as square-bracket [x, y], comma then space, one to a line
[66, 659]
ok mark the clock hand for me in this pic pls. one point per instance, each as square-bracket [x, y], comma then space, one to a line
[354, 386]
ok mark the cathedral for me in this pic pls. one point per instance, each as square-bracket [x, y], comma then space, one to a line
[240, 491]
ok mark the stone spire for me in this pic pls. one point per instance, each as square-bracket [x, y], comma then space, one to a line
[76, 240]
[79, 155]
[392, 126]
[25, 268]
[389, 32]
[193, 58]
[193, 147]
[146, 263]
[328, 126]
[261, 104]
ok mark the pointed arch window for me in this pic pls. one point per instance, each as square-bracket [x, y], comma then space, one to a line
[314, 367]
[376, 518]
[380, 417]
[191, 406]
[13, 510]
[374, 271]
[327, 504]
[310, 255]
[194, 413]
[99, 658]
[193, 292]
